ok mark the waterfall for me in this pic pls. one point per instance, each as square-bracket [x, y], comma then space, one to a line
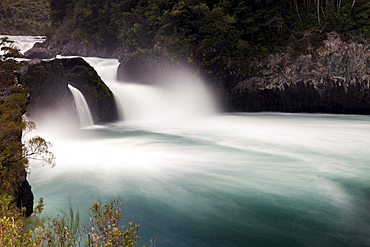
[178, 97]
[82, 107]
[24, 43]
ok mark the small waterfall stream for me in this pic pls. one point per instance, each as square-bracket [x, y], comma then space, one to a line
[82, 107]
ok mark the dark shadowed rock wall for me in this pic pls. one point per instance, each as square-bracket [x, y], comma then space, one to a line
[332, 79]
[336, 79]
[48, 81]
[50, 48]
[23, 195]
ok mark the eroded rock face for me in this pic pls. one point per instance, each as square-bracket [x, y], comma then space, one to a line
[50, 48]
[48, 81]
[333, 79]
[336, 80]
[24, 197]
[144, 69]
[98, 96]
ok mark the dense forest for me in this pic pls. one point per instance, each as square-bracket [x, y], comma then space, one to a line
[24, 17]
[224, 32]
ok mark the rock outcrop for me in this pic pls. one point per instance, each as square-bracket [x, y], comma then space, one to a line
[24, 197]
[48, 81]
[50, 48]
[333, 79]
[145, 68]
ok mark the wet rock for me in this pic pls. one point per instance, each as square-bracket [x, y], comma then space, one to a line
[48, 81]
[336, 79]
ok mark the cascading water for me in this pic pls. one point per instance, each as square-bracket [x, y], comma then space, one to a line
[82, 107]
[180, 95]
[220, 180]
[24, 43]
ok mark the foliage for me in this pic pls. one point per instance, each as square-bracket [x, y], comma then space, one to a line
[24, 17]
[14, 154]
[12, 232]
[12, 106]
[217, 34]
[104, 228]
[64, 230]
[61, 230]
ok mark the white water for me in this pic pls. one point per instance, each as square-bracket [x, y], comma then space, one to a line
[218, 179]
[226, 180]
[82, 107]
[24, 43]
[180, 95]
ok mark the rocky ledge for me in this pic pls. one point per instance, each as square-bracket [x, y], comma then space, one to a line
[333, 79]
[50, 48]
[48, 81]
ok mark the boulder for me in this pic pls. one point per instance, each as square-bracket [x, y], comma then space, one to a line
[38, 51]
[48, 81]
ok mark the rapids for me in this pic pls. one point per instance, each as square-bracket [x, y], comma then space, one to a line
[224, 180]
[200, 177]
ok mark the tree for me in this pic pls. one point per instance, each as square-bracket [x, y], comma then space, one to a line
[14, 154]
[12, 226]
[104, 227]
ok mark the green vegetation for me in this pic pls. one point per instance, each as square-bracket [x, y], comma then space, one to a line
[222, 33]
[12, 226]
[219, 35]
[24, 17]
[104, 228]
[65, 230]
[14, 154]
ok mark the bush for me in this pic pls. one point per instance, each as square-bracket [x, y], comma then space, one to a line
[104, 229]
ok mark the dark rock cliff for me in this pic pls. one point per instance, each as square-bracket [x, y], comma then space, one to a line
[331, 79]
[145, 68]
[334, 79]
[48, 81]
[24, 197]
[16, 174]
[50, 48]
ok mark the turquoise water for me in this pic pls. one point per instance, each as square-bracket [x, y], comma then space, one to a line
[266, 179]
[200, 178]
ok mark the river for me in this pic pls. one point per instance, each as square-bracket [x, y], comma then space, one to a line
[200, 177]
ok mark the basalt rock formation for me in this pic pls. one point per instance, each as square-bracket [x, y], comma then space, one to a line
[48, 81]
[333, 79]
[50, 48]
